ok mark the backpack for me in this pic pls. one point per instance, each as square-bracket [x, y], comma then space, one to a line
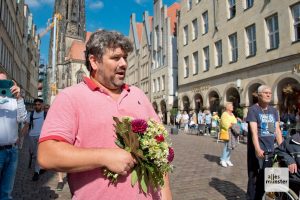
[31, 119]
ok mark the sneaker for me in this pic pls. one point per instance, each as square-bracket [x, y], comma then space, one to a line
[229, 163]
[60, 186]
[35, 176]
[223, 163]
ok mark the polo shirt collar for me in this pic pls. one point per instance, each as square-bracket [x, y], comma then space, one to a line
[94, 87]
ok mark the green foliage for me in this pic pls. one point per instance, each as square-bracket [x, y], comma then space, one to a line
[174, 111]
[239, 113]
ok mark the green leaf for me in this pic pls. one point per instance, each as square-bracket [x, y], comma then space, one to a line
[119, 144]
[143, 184]
[134, 177]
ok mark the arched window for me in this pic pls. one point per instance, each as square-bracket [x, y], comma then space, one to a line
[79, 75]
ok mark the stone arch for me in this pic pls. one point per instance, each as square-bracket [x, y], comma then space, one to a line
[233, 95]
[163, 109]
[287, 92]
[214, 101]
[155, 106]
[198, 101]
[251, 91]
[79, 75]
[186, 103]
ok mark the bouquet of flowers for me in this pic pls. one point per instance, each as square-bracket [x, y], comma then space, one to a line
[148, 142]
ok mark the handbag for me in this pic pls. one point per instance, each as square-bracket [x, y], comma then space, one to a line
[224, 135]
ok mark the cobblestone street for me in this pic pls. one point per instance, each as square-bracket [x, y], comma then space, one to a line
[197, 173]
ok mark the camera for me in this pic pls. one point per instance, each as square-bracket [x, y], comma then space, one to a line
[5, 86]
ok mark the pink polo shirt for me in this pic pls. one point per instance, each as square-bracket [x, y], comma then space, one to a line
[82, 116]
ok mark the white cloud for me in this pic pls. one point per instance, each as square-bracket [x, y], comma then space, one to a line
[38, 3]
[140, 2]
[96, 5]
[33, 3]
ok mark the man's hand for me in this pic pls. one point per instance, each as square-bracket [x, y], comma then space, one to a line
[15, 90]
[293, 168]
[119, 161]
[259, 153]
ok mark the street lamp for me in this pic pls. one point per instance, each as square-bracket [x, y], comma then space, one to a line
[239, 85]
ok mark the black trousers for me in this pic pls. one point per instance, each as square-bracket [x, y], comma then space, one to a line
[256, 174]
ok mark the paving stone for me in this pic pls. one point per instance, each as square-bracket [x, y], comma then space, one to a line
[197, 174]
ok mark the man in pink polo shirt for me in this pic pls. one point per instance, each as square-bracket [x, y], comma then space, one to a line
[78, 134]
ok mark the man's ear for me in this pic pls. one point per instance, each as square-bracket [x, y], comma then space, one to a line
[93, 61]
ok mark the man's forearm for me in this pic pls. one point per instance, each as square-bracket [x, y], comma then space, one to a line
[166, 190]
[63, 157]
[254, 134]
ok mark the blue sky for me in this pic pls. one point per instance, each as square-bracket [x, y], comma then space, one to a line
[104, 14]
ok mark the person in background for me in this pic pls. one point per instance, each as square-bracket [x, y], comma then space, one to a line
[215, 121]
[33, 127]
[185, 121]
[263, 123]
[178, 119]
[207, 119]
[12, 112]
[227, 121]
[78, 135]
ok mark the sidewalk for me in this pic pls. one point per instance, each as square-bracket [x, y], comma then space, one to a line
[197, 174]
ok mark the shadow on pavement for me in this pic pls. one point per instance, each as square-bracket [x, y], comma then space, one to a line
[25, 188]
[212, 158]
[228, 189]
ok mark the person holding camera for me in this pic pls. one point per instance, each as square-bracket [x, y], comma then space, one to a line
[12, 112]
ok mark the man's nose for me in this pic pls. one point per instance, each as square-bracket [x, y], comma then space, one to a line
[123, 62]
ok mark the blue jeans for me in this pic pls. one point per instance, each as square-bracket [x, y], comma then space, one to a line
[226, 153]
[8, 169]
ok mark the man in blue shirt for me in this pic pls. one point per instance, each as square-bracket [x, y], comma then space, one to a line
[263, 122]
[12, 111]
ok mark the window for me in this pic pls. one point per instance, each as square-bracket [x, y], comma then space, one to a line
[189, 4]
[273, 31]
[232, 8]
[195, 63]
[154, 86]
[206, 58]
[296, 16]
[186, 67]
[185, 35]
[205, 22]
[158, 84]
[163, 83]
[194, 29]
[249, 3]
[218, 50]
[234, 47]
[157, 36]
[251, 38]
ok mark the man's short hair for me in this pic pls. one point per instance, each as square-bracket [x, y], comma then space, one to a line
[102, 40]
[261, 88]
[38, 100]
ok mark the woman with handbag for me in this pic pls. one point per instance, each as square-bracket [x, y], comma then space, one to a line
[227, 120]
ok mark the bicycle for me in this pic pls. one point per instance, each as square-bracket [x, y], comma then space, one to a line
[289, 195]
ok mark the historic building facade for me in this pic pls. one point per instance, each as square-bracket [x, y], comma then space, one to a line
[226, 49]
[19, 46]
[138, 72]
[153, 64]
[71, 34]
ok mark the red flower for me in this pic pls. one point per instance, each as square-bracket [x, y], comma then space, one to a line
[171, 154]
[160, 138]
[139, 125]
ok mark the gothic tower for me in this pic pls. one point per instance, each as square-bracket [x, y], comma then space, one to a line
[70, 28]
